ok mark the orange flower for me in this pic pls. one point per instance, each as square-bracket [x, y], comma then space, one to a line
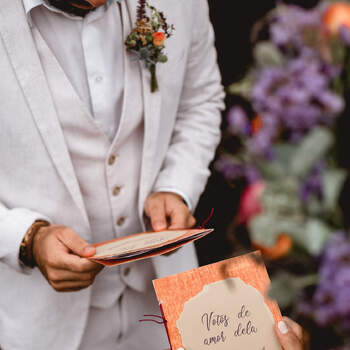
[256, 124]
[158, 39]
[280, 249]
[336, 16]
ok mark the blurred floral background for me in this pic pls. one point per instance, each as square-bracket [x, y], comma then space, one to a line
[281, 177]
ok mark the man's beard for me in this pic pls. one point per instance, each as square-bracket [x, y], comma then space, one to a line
[76, 7]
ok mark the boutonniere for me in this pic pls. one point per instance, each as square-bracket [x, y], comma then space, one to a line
[148, 37]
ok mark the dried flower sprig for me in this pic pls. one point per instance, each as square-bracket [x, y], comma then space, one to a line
[141, 10]
[148, 36]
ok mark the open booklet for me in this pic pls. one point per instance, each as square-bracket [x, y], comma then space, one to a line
[144, 245]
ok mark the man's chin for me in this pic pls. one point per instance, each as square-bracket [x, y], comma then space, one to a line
[81, 4]
[76, 7]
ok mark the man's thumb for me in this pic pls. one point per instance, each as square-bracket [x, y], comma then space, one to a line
[76, 244]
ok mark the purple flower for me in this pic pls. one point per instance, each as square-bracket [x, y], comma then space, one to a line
[297, 97]
[230, 170]
[233, 170]
[252, 174]
[330, 304]
[292, 24]
[312, 186]
[261, 143]
[238, 123]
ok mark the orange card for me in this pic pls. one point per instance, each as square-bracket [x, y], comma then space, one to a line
[220, 306]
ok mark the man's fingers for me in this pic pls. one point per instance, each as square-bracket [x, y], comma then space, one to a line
[287, 338]
[162, 206]
[192, 221]
[181, 218]
[156, 212]
[74, 263]
[57, 276]
[75, 243]
[70, 286]
[178, 220]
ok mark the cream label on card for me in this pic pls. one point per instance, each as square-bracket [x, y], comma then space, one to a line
[227, 315]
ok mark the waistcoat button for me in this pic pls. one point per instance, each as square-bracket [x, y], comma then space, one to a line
[120, 221]
[116, 191]
[127, 271]
[112, 159]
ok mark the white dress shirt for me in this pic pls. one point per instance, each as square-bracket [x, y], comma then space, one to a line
[90, 51]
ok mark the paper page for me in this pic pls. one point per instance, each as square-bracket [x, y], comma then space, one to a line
[137, 243]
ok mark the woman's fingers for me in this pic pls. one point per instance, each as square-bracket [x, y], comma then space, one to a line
[295, 327]
[288, 339]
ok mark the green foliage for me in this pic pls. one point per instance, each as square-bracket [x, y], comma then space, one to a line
[242, 88]
[332, 181]
[313, 147]
[282, 212]
[266, 54]
[286, 287]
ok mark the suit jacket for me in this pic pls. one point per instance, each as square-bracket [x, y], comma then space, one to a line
[37, 179]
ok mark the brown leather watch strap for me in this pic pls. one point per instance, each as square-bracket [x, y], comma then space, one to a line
[26, 248]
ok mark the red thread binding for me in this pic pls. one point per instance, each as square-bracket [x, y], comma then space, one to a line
[207, 220]
[163, 321]
[151, 320]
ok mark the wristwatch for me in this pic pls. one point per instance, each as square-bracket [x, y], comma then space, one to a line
[26, 248]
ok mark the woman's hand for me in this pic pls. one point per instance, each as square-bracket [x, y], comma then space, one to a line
[290, 335]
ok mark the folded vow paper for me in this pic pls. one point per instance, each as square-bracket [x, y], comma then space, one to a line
[144, 245]
[222, 306]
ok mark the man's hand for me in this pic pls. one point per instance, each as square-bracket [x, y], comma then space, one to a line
[60, 254]
[168, 210]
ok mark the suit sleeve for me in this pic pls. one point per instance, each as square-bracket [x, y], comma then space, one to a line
[14, 224]
[197, 128]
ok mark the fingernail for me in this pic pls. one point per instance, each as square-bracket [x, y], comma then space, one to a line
[159, 225]
[282, 327]
[89, 251]
[180, 349]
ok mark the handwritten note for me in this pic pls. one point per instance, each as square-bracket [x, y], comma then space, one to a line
[230, 315]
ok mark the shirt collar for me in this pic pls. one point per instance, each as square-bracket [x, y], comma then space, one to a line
[29, 5]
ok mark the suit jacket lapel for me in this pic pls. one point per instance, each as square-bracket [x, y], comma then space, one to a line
[152, 106]
[19, 43]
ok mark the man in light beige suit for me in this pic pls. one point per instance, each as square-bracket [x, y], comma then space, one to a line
[88, 153]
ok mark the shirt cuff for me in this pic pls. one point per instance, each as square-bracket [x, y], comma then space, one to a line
[16, 230]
